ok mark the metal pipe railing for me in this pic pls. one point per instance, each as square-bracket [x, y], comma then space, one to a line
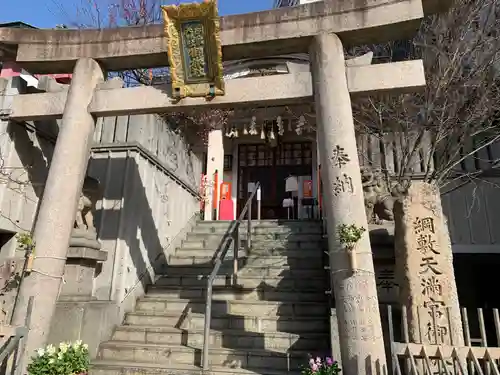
[12, 352]
[232, 236]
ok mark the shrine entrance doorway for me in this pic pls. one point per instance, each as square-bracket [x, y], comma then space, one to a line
[271, 166]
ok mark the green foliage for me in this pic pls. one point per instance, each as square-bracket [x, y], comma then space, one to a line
[349, 235]
[318, 366]
[25, 241]
[66, 359]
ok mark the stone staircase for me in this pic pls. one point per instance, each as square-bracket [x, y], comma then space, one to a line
[268, 323]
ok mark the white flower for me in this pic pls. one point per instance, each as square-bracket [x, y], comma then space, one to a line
[40, 352]
[60, 355]
[52, 360]
[63, 347]
[77, 344]
[85, 346]
[51, 349]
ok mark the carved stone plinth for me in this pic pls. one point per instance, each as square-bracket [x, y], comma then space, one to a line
[90, 321]
[84, 238]
[83, 256]
[78, 314]
[424, 264]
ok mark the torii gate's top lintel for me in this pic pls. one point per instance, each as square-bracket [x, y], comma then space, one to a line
[278, 31]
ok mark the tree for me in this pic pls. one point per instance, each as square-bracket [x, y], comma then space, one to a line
[456, 116]
[102, 14]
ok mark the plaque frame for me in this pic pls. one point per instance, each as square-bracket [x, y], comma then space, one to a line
[194, 16]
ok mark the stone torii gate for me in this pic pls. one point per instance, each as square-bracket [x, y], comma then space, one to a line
[321, 29]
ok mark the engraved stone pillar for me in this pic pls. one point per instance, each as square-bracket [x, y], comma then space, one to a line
[59, 205]
[359, 324]
[215, 162]
[424, 262]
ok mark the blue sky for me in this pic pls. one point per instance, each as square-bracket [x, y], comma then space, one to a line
[48, 13]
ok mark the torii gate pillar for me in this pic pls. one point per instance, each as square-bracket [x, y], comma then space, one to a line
[59, 205]
[359, 323]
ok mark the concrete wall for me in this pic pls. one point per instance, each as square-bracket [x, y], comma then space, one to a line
[156, 137]
[150, 195]
[24, 158]
[150, 180]
[473, 213]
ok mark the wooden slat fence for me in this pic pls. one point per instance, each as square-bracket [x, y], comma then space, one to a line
[386, 152]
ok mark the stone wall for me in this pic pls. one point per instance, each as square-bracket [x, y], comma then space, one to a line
[24, 158]
[149, 178]
[156, 136]
[142, 211]
[149, 201]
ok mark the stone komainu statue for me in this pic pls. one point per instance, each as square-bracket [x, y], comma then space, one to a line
[379, 197]
[88, 198]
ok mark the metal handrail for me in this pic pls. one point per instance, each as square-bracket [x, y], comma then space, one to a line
[15, 344]
[231, 236]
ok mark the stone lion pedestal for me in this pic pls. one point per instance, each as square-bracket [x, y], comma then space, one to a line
[84, 255]
[79, 315]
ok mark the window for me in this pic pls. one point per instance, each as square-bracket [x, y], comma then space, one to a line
[228, 162]
[294, 154]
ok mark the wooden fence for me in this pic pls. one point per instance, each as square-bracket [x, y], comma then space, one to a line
[386, 152]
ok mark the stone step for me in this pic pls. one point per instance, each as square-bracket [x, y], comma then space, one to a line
[271, 236]
[233, 339]
[263, 293]
[263, 223]
[318, 245]
[259, 324]
[175, 355]
[203, 270]
[291, 253]
[106, 367]
[261, 229]
[249, 261]
[248, 308]
[285, 281]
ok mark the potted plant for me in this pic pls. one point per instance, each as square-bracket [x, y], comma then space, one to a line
[66, 359]
[319, 366]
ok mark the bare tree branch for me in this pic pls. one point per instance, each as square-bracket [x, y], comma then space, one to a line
[456, 115]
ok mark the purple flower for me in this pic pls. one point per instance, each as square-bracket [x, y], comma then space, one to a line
[329, 361]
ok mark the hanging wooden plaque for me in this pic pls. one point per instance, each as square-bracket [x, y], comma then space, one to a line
[194, 49]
